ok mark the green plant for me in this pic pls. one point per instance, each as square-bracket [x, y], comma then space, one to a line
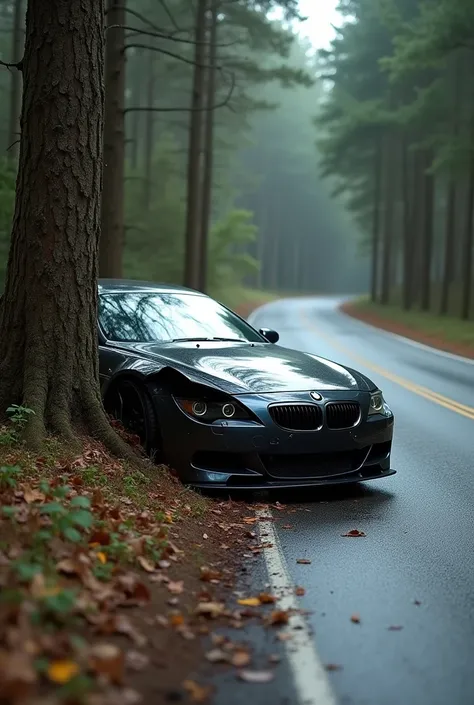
[18, 415]
[8, 476]
[67, 520]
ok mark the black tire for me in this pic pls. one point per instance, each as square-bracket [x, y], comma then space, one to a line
[129, 402]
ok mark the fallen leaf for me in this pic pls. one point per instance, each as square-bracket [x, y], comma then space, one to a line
[303, 561]
[210, 609]
[107, 660]
[300, 591]
[217, 656]
[146, 564]
[62, 671]
[209, 574]
[17, 676]
[198, 693]
[355, 618]
[249, 602]
[32, 495]
[354, 533]
[267, 599]
[256, 676]
[176, 619]
[249, 520]
[176, 588]
[240, 658]
[278, 617]
[99, 537]
[136, 661]
[101, 557]
[333, 667]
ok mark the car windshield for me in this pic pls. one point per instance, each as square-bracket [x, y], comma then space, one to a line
[160, 317]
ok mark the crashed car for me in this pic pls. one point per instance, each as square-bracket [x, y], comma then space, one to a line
[225, 406]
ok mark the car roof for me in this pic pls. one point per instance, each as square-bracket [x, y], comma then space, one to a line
[134, 285]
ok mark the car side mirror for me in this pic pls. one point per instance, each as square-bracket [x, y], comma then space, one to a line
[271, 335]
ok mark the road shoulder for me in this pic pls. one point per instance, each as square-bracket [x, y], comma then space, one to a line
[434, 339]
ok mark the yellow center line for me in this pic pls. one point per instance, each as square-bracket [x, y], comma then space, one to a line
[463, 409]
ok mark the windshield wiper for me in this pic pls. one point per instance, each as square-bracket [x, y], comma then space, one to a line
[199, 340]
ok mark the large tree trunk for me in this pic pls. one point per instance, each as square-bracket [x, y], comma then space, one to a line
[194, 177]
[208, 147]
[48, 313]
[15, 83]
[112, 230]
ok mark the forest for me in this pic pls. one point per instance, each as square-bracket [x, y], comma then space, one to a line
[209, 136]
[400, 145]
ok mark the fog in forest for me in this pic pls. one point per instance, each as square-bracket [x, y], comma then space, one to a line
[239, 156]
[272, 222]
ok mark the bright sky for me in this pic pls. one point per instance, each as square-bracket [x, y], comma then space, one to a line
[321, 14]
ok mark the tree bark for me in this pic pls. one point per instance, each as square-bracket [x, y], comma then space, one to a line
[408, 179]
[376, 220]
[194, 176]
[136, 117]
[208, 146]
[112, 227]
[48, 313]
[450, 232]
[468, 243]
[15, 84]
[427, 235]
[388, 219]
[148, 142]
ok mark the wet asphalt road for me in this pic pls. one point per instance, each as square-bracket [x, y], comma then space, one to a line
[419, 524]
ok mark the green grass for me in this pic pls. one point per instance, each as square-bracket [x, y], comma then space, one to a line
[448, 328]
[237, 296]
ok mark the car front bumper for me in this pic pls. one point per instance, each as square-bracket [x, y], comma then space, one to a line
[249, 455]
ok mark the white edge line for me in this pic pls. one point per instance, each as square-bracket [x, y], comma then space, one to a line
[382, 331]
[309, 676]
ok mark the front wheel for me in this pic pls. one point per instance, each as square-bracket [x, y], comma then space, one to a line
[129, 402]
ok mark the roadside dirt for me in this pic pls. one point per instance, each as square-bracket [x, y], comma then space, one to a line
[114, 581]
[351, 309]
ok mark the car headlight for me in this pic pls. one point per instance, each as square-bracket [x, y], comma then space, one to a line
[378, 405]
[208, 411]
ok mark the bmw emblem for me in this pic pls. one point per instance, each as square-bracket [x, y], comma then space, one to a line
[315, 395]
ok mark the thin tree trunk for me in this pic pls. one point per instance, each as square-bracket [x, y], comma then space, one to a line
[112, 226]
[427, 235]
[408, 177]
[48, 313]
[448, 246]
[376, 219]
[193, 221]
[15, 84]
[388, 219]
[148, 142]
[468, 244]
[208, 146]
[136, 115]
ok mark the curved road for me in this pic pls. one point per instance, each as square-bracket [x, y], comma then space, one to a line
[415, 568]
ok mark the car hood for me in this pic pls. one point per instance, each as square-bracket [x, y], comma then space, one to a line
[243, 368]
